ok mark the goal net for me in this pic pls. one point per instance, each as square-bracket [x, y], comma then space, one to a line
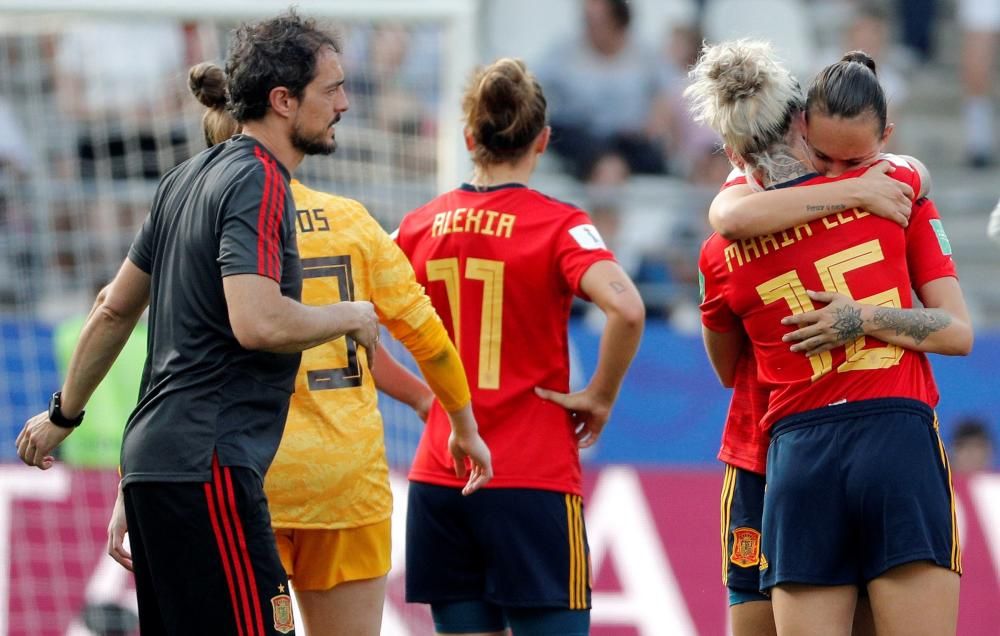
[94, 107]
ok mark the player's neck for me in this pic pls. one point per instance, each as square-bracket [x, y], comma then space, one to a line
[277, 142]
[781, 165]
[501, 173]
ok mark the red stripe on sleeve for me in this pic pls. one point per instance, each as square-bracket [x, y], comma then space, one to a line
[279, 212]
[231, 545]
[269, 228]
[244, 552]
[262, 214]
[213, 517]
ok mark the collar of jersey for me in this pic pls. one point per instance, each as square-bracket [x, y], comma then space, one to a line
[468, 187]
[241, 138]
[793, 182]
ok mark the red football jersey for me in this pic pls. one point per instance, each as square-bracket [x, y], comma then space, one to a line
[763, 279]
[501, 266]
[744, 442]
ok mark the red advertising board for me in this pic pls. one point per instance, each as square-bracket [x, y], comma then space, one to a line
[654, 537]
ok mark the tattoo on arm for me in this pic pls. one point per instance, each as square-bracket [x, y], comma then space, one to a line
[915, 323]
[848, 324]
[619, 288]
[836, 207]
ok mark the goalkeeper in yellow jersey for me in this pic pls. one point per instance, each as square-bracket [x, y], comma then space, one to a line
[328, 486]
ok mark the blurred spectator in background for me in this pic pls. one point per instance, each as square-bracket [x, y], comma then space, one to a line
[605, 194]
[15, 222]
[395, 86]
[993, 228]
[601, 88]
[786, 23]
[15, 153]
[971, 446]
[869, 31]
[118, 84]
[917, 19]
[693, 149]
[117, 79]
[979, 21]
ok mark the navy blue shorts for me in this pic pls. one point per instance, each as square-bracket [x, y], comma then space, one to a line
[742, 513]
[854, 490]
[512, 547]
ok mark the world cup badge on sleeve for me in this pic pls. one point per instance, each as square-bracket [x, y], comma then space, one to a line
[746, 547]
[281, 606]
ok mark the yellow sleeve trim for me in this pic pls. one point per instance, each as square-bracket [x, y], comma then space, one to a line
[440, 364]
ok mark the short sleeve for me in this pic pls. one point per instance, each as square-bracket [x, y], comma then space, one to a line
[904, 171]
[928, 250]
[251, 239]
[578, 246]
[141, 250]
[735, 178]
[715, 311]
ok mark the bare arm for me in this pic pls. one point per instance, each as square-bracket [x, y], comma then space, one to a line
[739, 212]
[941, 326]
[612, 290]
[109, 324]
[263, 319]
[399, 383]
[724, 349]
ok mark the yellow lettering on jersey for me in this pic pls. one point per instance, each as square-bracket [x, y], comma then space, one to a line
[786, 238]
[829, 223]
[506, 225]
[490, 218]
[473, 219]
[440, 224]
[446, 270]
[456, 218]
[750, 245]
[802, 229]
[844, 219]
[733, 251]
[860, 214]
[500, 224]
[768, 238]
[491, 320]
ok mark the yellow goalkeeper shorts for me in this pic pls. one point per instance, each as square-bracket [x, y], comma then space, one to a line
[321, 559]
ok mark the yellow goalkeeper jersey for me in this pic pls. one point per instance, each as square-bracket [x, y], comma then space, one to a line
[330, 470]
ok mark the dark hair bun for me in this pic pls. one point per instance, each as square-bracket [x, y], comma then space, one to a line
[207, 82]
[861, 58]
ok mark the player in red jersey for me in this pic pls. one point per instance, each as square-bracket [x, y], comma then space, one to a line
[744, 442]
[858, 488]
[743, 210]
[502, 263]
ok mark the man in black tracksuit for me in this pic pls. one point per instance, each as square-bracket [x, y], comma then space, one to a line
[217, 264]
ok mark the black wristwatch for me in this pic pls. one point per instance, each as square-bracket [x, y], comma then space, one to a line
[56, 415]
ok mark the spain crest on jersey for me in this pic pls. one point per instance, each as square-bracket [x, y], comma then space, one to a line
[746, 547]
[281, 606]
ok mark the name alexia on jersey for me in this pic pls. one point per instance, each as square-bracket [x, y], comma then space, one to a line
[488, 222]
[742, 251]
